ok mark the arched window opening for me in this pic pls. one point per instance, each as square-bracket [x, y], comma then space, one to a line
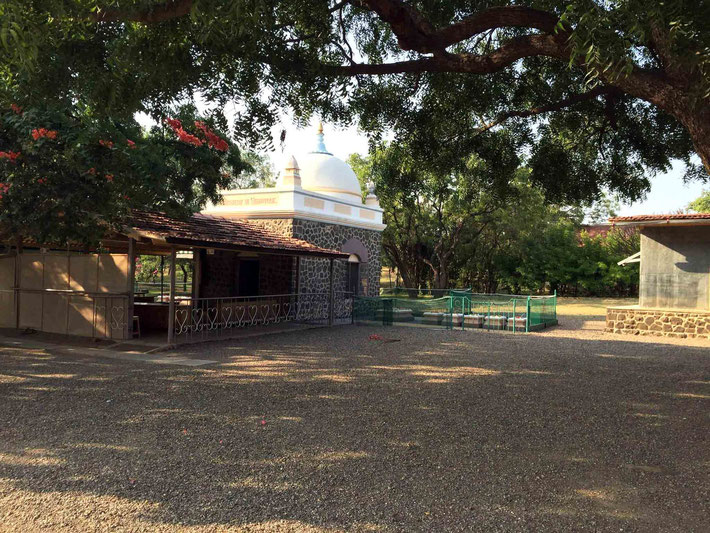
[353, 282]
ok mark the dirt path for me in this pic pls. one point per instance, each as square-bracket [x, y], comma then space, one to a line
[326, 430]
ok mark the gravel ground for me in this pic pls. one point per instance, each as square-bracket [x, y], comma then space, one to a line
[325, 430]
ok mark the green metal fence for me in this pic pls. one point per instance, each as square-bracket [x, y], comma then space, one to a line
[461, 309]
[388, 311]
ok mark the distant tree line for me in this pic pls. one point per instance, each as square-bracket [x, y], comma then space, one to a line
[489, 228]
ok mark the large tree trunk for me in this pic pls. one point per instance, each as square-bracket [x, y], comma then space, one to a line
[673, 96]
[698, 126]
[410, 282]
[441, 277]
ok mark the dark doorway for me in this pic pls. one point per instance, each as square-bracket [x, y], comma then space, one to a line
[354, 278]
[249, 278]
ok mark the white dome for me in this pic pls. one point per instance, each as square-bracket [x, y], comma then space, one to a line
[324, 173]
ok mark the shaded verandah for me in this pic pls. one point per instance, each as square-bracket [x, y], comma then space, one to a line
[92, 292]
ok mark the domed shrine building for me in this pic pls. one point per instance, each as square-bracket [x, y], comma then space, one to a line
[317, 199]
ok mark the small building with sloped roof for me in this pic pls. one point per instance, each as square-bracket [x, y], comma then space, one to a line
[93, 292]
[674, 285]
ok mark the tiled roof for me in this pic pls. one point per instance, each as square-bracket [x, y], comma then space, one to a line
[596, 230]
[218, 232]
[661, 218]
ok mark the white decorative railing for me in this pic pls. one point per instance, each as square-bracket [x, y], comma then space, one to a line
[203, 318]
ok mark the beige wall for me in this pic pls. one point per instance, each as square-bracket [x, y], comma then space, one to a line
[100, 313]
[7, 293]
[675, 267]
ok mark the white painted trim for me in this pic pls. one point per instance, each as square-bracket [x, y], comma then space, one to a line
[300, 215]
[294, 202]
[304, 192]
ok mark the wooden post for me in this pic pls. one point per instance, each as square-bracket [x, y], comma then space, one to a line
[331, 311]
[171, 307]
[196, 272]
[18, 269]
[130, 284]
[162, 275]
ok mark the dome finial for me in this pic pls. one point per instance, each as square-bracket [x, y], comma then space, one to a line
[320, 146]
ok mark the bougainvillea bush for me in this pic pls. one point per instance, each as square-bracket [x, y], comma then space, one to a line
[71, 178]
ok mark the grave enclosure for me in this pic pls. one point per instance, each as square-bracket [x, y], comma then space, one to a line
[459, 309]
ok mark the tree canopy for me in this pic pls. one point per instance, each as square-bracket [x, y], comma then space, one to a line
[73, 177]
[434, 205]
[600, 94]
[487, 227]
[702, 203]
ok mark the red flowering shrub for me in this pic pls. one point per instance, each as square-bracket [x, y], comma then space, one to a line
[4, 187]
[213, 140]
[174, 123]
[52, 160]
[16, 108]
[43, 132]
[11, 156]
[188, 138]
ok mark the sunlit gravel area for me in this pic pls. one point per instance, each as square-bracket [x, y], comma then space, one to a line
[569, 429]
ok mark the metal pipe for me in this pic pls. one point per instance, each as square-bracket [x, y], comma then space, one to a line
[130, 287]
[527, 316]
[162, 275]
[171, 308]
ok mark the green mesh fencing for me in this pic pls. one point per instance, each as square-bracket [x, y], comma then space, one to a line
[542, 311]
[459, 308]
[403, 311]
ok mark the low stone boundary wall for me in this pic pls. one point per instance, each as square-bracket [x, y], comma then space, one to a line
[663, 322]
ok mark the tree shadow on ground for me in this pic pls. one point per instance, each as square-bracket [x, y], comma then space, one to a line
[326, 429]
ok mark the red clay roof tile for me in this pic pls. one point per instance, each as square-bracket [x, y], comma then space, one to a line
[206, 230]
[654, 218]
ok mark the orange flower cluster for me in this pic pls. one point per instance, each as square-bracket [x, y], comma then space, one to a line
[109, 178]
[11, 156]
[213, 140]
[16, 108]
[188, 138]
[43, 132]
[182, 135]
[4, 187]
[174, 123]
[42, 181]
[106, 144]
